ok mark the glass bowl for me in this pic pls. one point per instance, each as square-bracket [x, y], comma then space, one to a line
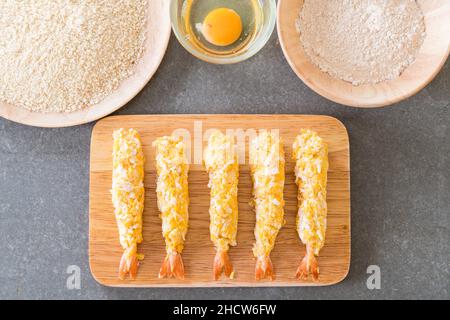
[263, 31]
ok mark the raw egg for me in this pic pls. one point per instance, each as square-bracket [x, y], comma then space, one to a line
[222, 27]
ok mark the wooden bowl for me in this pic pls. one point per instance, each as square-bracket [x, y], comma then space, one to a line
[157, 39]
[429, 62]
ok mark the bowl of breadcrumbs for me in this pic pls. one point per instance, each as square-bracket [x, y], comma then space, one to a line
[365, 53]
[66, 63]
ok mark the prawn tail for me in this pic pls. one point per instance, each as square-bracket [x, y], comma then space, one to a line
[264, 268]
[314, 268]
[223, 264]
[128, 265]
[308, 265]
[172, 266]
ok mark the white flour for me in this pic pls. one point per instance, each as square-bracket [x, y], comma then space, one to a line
[362, 41]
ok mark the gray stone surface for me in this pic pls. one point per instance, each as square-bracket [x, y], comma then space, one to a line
[400, 184]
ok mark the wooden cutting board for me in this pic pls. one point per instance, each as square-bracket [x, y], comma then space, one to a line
[104, 248]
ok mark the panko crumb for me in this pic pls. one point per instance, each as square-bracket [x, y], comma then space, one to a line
[63, 56]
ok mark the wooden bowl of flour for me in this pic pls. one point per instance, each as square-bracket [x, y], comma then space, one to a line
[158, 30]
[429, 61]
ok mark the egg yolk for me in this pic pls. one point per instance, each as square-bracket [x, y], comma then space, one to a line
[222, 27]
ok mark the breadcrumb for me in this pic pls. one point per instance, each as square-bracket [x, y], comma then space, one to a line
[66, 55]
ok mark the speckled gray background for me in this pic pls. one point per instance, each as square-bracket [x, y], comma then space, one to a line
[400, 184]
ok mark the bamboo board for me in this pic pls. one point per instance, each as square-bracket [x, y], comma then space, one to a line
[104, 248]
